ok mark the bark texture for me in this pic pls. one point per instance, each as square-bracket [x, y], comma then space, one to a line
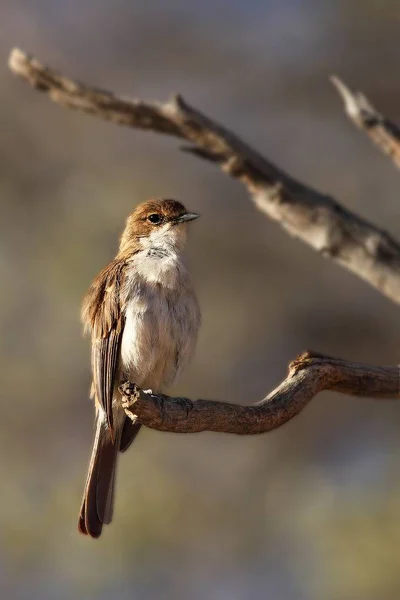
[315, 218]
[308, 375]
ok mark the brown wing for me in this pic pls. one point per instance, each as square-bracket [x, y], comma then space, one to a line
[102, 314]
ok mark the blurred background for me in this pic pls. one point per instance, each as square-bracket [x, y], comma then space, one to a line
[308, 512]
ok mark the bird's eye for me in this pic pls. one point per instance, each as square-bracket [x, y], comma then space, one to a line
[154, 218]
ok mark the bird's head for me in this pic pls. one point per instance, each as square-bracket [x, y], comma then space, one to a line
[156, 223]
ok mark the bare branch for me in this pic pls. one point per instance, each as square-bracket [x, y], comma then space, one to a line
[315, 218]
[384, 133]
[308, 375]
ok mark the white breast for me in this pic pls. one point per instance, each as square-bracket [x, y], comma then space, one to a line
[161, 319]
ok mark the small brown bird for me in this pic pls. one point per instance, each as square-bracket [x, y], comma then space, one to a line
[143, 317]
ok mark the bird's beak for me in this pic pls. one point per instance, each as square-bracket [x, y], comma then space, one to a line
[187, 217]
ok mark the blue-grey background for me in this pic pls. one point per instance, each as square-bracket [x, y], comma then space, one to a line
[308, 512]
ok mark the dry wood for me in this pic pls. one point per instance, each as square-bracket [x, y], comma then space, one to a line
[315, 218]
[308, 375]
[384, 133]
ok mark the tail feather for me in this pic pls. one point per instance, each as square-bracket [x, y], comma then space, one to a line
[129, 433]
[98, 498]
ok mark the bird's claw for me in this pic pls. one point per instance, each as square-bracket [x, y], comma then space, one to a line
[130, 393]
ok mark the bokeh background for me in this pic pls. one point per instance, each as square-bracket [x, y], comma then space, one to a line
[308, 512]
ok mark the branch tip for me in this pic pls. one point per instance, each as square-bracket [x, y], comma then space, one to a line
[16, 58]
[349, 98]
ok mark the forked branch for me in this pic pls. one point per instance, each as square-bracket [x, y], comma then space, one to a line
[315, 218]
[308, 375]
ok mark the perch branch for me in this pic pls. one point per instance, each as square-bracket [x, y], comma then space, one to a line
[315, 218]
[384, 133]
[308, 375]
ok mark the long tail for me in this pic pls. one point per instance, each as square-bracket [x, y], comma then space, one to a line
[98, 497]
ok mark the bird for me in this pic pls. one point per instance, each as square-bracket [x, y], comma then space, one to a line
[143, 316]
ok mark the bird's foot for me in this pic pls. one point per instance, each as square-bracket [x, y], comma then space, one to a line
[130, 394]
